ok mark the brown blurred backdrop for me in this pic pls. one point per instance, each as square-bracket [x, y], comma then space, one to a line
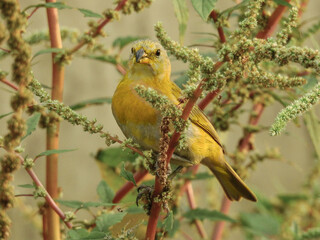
[88, 79]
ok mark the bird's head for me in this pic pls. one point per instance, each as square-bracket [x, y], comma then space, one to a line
[149, 57]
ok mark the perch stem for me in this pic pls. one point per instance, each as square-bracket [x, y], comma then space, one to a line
[53, 225]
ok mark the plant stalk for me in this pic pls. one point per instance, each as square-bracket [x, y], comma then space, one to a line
[53, 224]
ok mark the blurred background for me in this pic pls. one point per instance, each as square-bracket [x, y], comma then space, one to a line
[86, 79]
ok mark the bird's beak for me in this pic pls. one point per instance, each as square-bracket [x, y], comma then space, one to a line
[140, 54]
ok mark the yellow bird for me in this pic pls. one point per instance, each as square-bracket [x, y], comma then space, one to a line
[150, 66]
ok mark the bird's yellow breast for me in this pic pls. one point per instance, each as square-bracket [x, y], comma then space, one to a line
[135, 116]
[128, 107]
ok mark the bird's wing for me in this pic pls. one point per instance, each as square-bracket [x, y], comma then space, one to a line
[198, 118]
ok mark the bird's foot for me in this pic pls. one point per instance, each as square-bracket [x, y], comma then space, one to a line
[145, 194]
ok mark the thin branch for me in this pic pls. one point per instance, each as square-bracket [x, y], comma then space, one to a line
[97, 31]
[218, 228]
[5, 50]
[193, 205]
[204, 102]
[33, 11]
[214, 16]
[48, 198]
[186, 236]
[273, 21]
[121, 69]
[9, 84]
[210, 96]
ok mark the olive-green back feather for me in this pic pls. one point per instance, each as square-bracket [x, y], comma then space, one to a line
[197, 117]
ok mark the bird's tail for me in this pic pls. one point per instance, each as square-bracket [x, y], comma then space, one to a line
[231, 183]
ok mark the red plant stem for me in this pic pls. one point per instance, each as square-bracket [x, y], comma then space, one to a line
[34, 10]
[303, 6]
[121, 69]
[244, 144]
[122, 192]
[9, 84]
[186, 236]
[194, 169]
[48, 198]
[156, 206]
[218, 229]
[53, 225]
[193, 205]
[210, 96]
[97, 31]
[272, 22]
[214, 16]
[5, 50]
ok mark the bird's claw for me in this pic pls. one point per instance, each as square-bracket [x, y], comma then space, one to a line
[144, 191]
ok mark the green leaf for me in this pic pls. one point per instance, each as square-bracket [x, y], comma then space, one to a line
[26, 186]
[127, 175]
[103, 58]
[283, 2]
[71, 203]
[182, 13]
[279, 98]
[49, 50]
[89, 13]
[228, 11]
[202, 214]
[98, 204]
[260, 224]
[86, 103]
[135, 209]
[6, 114]
[58, 5]
[204, 7]
[78, 204]
[77, 233]
[311, 233]
[313, 127]
[289, 198]
[32, 123]
[107, 220]
[105, 193]
[121, 42]
[168, 222]
[113, 156]
[180, 81]
[55, 151]
[169, 225]
[82, 234]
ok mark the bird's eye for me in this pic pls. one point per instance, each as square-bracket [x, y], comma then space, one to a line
[132, 50]
[158, 53]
